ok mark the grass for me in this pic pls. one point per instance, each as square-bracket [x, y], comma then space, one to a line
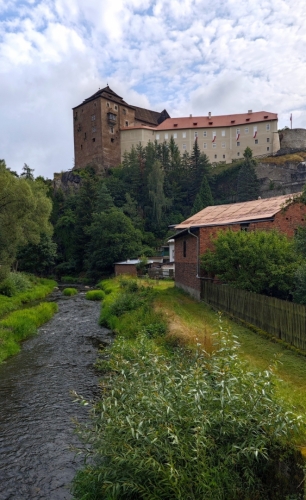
[69, 292]
[41, 288]
[95, 295]
[20, 325]
[192, 322]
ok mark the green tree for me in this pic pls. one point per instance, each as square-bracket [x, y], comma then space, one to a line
[112, 238]
[247, 182]
[204, 197]
[258, 261]
[38, 259]
[27, 173]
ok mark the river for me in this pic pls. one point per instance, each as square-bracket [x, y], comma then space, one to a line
[36, 406]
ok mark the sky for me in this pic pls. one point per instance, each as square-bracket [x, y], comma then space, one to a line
[188, 56]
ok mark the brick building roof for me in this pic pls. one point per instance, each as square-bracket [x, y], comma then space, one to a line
[232, 213]
[148, 116]
[217, 121]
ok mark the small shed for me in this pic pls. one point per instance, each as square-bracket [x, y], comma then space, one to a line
[128, 266]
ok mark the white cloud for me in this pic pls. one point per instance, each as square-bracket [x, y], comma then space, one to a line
[189, 56]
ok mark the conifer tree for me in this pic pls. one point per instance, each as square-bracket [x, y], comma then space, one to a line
[247, 182]
[204, 197]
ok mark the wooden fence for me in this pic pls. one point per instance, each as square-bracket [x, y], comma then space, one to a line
[284, 320]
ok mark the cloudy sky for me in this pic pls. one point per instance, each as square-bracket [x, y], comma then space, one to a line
[188, 56]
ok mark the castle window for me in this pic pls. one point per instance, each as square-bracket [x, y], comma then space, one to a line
[256, 141]
[268, 139]
[214, 145]
[81, 146]
[76, 115]
[184, 146]
[112, 139]
[215, 157]
[223, 133]
[107, 104]
[126, 123]
[157, 137]
[184, 248]
[124, 111]
[111, 129]
[268, 126]
[112, 118]
[184, 135]
[85, 136]
[223, 156]
[93, 129]
[93, 117]
[116, 107]
[244, 226]
[93, 140]
[223, 144]
[195, 135]
[166, 136]
[268, 148]
[175, 135]
[205, 145]
[238, 154]
[238, 143]
[246, 130]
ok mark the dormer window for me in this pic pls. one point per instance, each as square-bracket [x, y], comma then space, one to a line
[112, 118]
[266, 116]
[175, 125]
[232, 121]
[210, 123]
[247, 119]
[195, 123]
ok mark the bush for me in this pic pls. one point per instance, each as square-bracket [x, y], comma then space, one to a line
[68, 292]
[69, 279]
[15, 283]
[188, 426]
[95, 295]
[299, 293]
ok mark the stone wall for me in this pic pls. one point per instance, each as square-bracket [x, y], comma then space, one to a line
[293, 138]
[276, 180]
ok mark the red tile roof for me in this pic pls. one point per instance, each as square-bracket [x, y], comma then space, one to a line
[217, 121]
[221, 215]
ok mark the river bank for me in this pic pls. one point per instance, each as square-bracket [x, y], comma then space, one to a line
[36, 406]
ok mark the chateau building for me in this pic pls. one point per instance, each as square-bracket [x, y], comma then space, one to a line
[97, 125]
[105, 127]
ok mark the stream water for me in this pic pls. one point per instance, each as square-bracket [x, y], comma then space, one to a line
[36, 406]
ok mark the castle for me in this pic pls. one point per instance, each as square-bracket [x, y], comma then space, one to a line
[105, 127]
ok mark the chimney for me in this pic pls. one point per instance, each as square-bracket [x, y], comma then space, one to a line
[209, 114]
[190, 116]
[250, 111]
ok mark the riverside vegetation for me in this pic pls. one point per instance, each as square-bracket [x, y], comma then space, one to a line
[176, 421]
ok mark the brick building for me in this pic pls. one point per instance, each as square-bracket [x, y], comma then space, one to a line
[97, 123]
[195, 234]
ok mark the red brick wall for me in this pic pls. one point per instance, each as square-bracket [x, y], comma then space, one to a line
[285, 221]
[129, 269]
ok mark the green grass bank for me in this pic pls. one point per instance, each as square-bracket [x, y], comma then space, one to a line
[176, 421]
[18, 322]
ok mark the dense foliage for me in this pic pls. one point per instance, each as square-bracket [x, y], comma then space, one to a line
[177, 424]
[258, 261]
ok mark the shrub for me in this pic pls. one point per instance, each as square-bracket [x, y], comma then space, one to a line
[95, 295]
[69, 279]
[188, 426]
[15, 283]
[68, 292]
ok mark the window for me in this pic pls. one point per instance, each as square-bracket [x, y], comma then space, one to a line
[205, 145]
[93, 129]
[195, 135]
[238, 154]
[214, 134]
[215, 156]
[184, 146]
[204, 133]
[166, 136]
[238, 131]
[223, 144]
[107, 104]
[223, 156]
[112, 139]
[184, 248]
[111, 129]
[93, 117]
[246, 130]
[112, 117]
[214, 145]
[238, 144]
[268, 126]
[93, 140]
[124, 111]
[223, 133]
[184, 135]
[95, 104]
[81, 146]
[126, 123]
[268, 148]
[256, 141]
[175, 135]
[85, 137]
[244, 226]
[76, 115]
[157, 137]
[116, 107]
[268, 139]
